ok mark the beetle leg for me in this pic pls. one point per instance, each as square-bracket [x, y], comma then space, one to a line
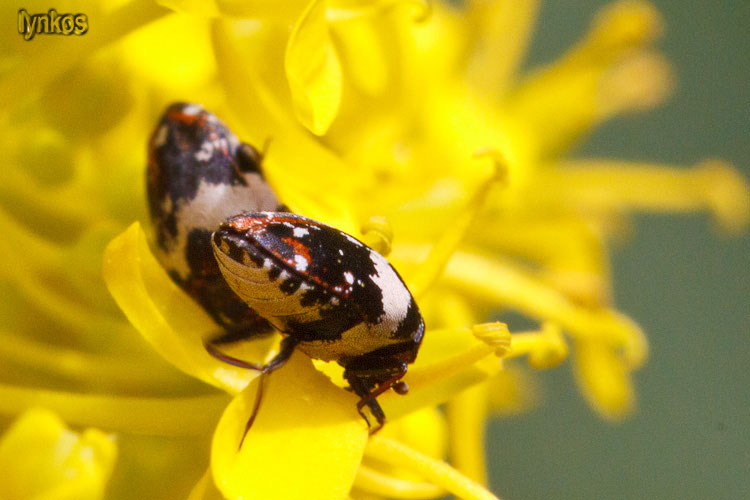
[229, 337]
[238, 333]
[371, 377]
[287, 348]
[285, 352]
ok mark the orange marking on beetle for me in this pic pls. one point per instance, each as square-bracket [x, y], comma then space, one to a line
[185, 118]
[257, 223]
[299, 249]
[246, 223]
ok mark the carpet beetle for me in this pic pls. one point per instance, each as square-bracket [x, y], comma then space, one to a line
[199, 174]
[333, 297]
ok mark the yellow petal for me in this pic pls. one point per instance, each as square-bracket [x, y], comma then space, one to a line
[205, 489]
[173, 54]
[362, 54]
[306, 441]
[570, 252]
[425, 430]
[167, 318]
[601, 185]
[604, 379]
[343, 10]
[313, 70]
[558, 104]
[44, 64]
[496, 281]
[467, 413]
[41, 459]
[366, 41]
[262, 9]
[297, 166]
[502, 29]
[434, 264]
[163, 416]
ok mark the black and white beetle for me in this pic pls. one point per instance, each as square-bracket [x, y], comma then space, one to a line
[331, 296]
[198, 175]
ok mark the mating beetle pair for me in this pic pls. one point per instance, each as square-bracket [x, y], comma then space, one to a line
[224, 237]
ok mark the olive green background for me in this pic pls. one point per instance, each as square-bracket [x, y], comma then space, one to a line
[684, 282]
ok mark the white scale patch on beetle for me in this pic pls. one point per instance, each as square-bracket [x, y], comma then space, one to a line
[299, 232]
[212, 204]
[208, 149]
[300, 262]
[192, 109]
[356, 341]
[352, 239]
[396, 297]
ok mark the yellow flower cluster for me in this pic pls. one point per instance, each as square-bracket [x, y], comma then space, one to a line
[404, 123]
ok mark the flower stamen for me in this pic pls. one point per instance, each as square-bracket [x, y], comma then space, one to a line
[439, 379]
[546, 348]
[438, 472]
[432, 267]
[495, 335]
[377, 233]
[378, 483]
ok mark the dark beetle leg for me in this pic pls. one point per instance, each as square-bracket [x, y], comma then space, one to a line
[287, 348]
[285, 352]
[369, 378]
[229, 337]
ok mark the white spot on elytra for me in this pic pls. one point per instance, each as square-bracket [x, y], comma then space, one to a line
[300, 262]
[208, 148]
[192, 109]
[349, 277]
[352, 240]
[299, 232]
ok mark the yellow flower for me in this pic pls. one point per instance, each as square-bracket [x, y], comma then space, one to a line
[406, 126]
[42, 459]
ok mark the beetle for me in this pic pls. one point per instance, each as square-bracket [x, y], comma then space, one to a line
[330, 295]
[225, 238]
[199, 174]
